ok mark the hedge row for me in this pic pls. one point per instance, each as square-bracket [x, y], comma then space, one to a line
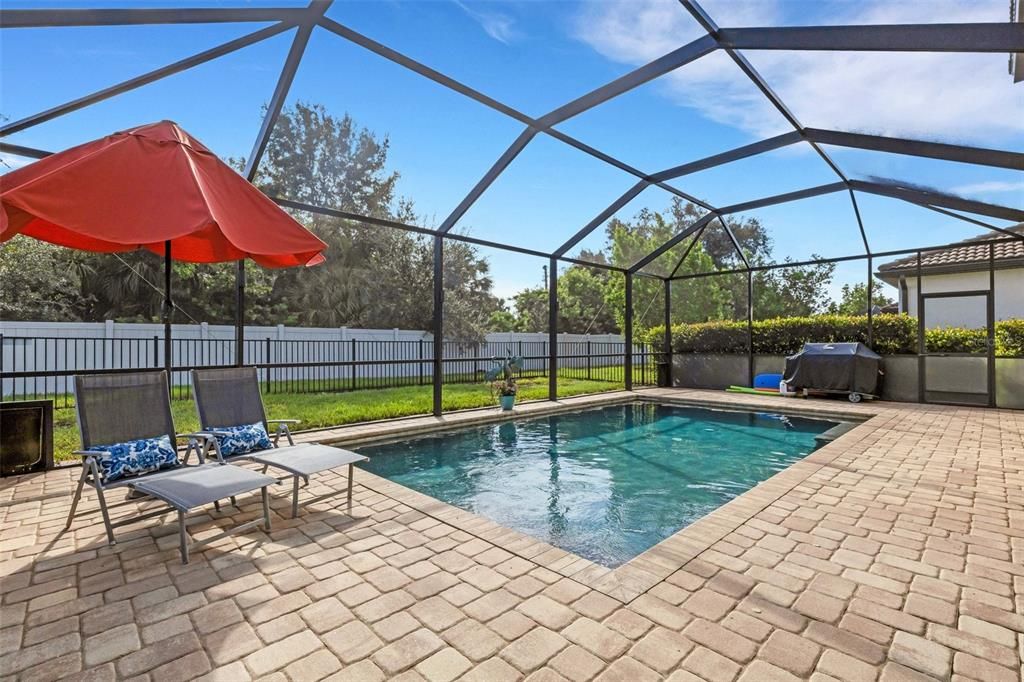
[893, 335]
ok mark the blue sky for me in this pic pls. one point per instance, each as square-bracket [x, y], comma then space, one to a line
[536, 56]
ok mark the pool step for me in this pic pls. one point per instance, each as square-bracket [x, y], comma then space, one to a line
[833, 433]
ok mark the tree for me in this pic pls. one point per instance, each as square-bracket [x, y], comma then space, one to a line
[792, 292]
[501, 321]
[374, 276]
[630, 240]
[36, 282]
[854, 300]
[583, 302]
[531, 310]
[469, 301]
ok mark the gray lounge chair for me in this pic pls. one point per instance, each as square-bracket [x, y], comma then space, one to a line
[229, 397]
[117, 408]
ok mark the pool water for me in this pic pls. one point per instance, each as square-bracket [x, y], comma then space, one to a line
[607, 483]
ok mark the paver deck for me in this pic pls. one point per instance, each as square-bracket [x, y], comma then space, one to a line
[895, 552]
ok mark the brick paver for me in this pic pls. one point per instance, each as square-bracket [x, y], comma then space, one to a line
[893, 553]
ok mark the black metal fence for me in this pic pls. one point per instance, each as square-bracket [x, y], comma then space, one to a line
[42, 367]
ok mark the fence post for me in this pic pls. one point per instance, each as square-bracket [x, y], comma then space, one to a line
[266, 359]
[108, 343]
[156, 351]
[353, 370]
[589, 353]
[420, 365]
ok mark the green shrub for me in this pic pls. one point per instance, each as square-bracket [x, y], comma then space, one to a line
[893, 335]
[955, 340]
[710, 337]
[1010, 338]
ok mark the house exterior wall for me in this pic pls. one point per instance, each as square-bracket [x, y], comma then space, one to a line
[966, 312]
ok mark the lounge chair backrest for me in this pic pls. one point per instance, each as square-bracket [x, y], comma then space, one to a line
[228, 397]
[116, 408]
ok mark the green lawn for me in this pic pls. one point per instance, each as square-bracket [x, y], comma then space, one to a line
[332, 409]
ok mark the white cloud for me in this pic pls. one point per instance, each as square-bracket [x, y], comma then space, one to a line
[950, 96]
[497, 25]
[990, 187]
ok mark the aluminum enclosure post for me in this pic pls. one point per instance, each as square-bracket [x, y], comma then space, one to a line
[627, 365]
[553, 329]
[438, 373]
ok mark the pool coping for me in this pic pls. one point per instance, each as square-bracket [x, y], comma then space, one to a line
[633, 578]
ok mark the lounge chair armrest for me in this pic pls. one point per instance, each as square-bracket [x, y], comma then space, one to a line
[208, 433]
[283, 430]
[99, 454]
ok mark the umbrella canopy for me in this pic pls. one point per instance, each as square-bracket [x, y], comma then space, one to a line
[151, 187]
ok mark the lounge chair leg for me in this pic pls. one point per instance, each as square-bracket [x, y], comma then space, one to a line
[94, 470]
[216, 505]
[295, 496]
[182, 537]
[234, 501]
[77, 497]
[106, 516]
[351, 471]
[266, 507]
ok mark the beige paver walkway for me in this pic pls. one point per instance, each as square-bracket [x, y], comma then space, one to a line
[894, 553]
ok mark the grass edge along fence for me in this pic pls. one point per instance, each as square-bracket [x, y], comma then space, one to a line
[893, 334]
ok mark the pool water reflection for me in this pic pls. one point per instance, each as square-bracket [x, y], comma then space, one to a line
[607, 483]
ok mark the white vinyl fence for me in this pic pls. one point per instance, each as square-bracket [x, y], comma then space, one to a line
[293, 359]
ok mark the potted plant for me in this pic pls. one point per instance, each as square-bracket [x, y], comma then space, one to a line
[503, 381]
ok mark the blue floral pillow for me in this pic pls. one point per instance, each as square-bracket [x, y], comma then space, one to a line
[136, 457]
[239, 440]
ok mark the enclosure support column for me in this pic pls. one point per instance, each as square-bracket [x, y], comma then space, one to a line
[920, 335]
[627, 364]
[168, 312]
[240, 314]
[553, 329]
[438, 322]
[750, 326]
[668, 331]
[871, 298]
[991, 315]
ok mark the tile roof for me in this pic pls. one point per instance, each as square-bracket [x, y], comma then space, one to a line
[973, 251]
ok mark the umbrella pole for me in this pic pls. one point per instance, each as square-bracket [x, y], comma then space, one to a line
[168, 309]
[240, 314]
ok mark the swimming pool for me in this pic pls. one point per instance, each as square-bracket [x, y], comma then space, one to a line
[606, 483]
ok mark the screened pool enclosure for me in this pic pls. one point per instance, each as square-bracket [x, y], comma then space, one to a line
[863, 123]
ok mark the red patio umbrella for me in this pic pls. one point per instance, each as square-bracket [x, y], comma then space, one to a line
[154, 187]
